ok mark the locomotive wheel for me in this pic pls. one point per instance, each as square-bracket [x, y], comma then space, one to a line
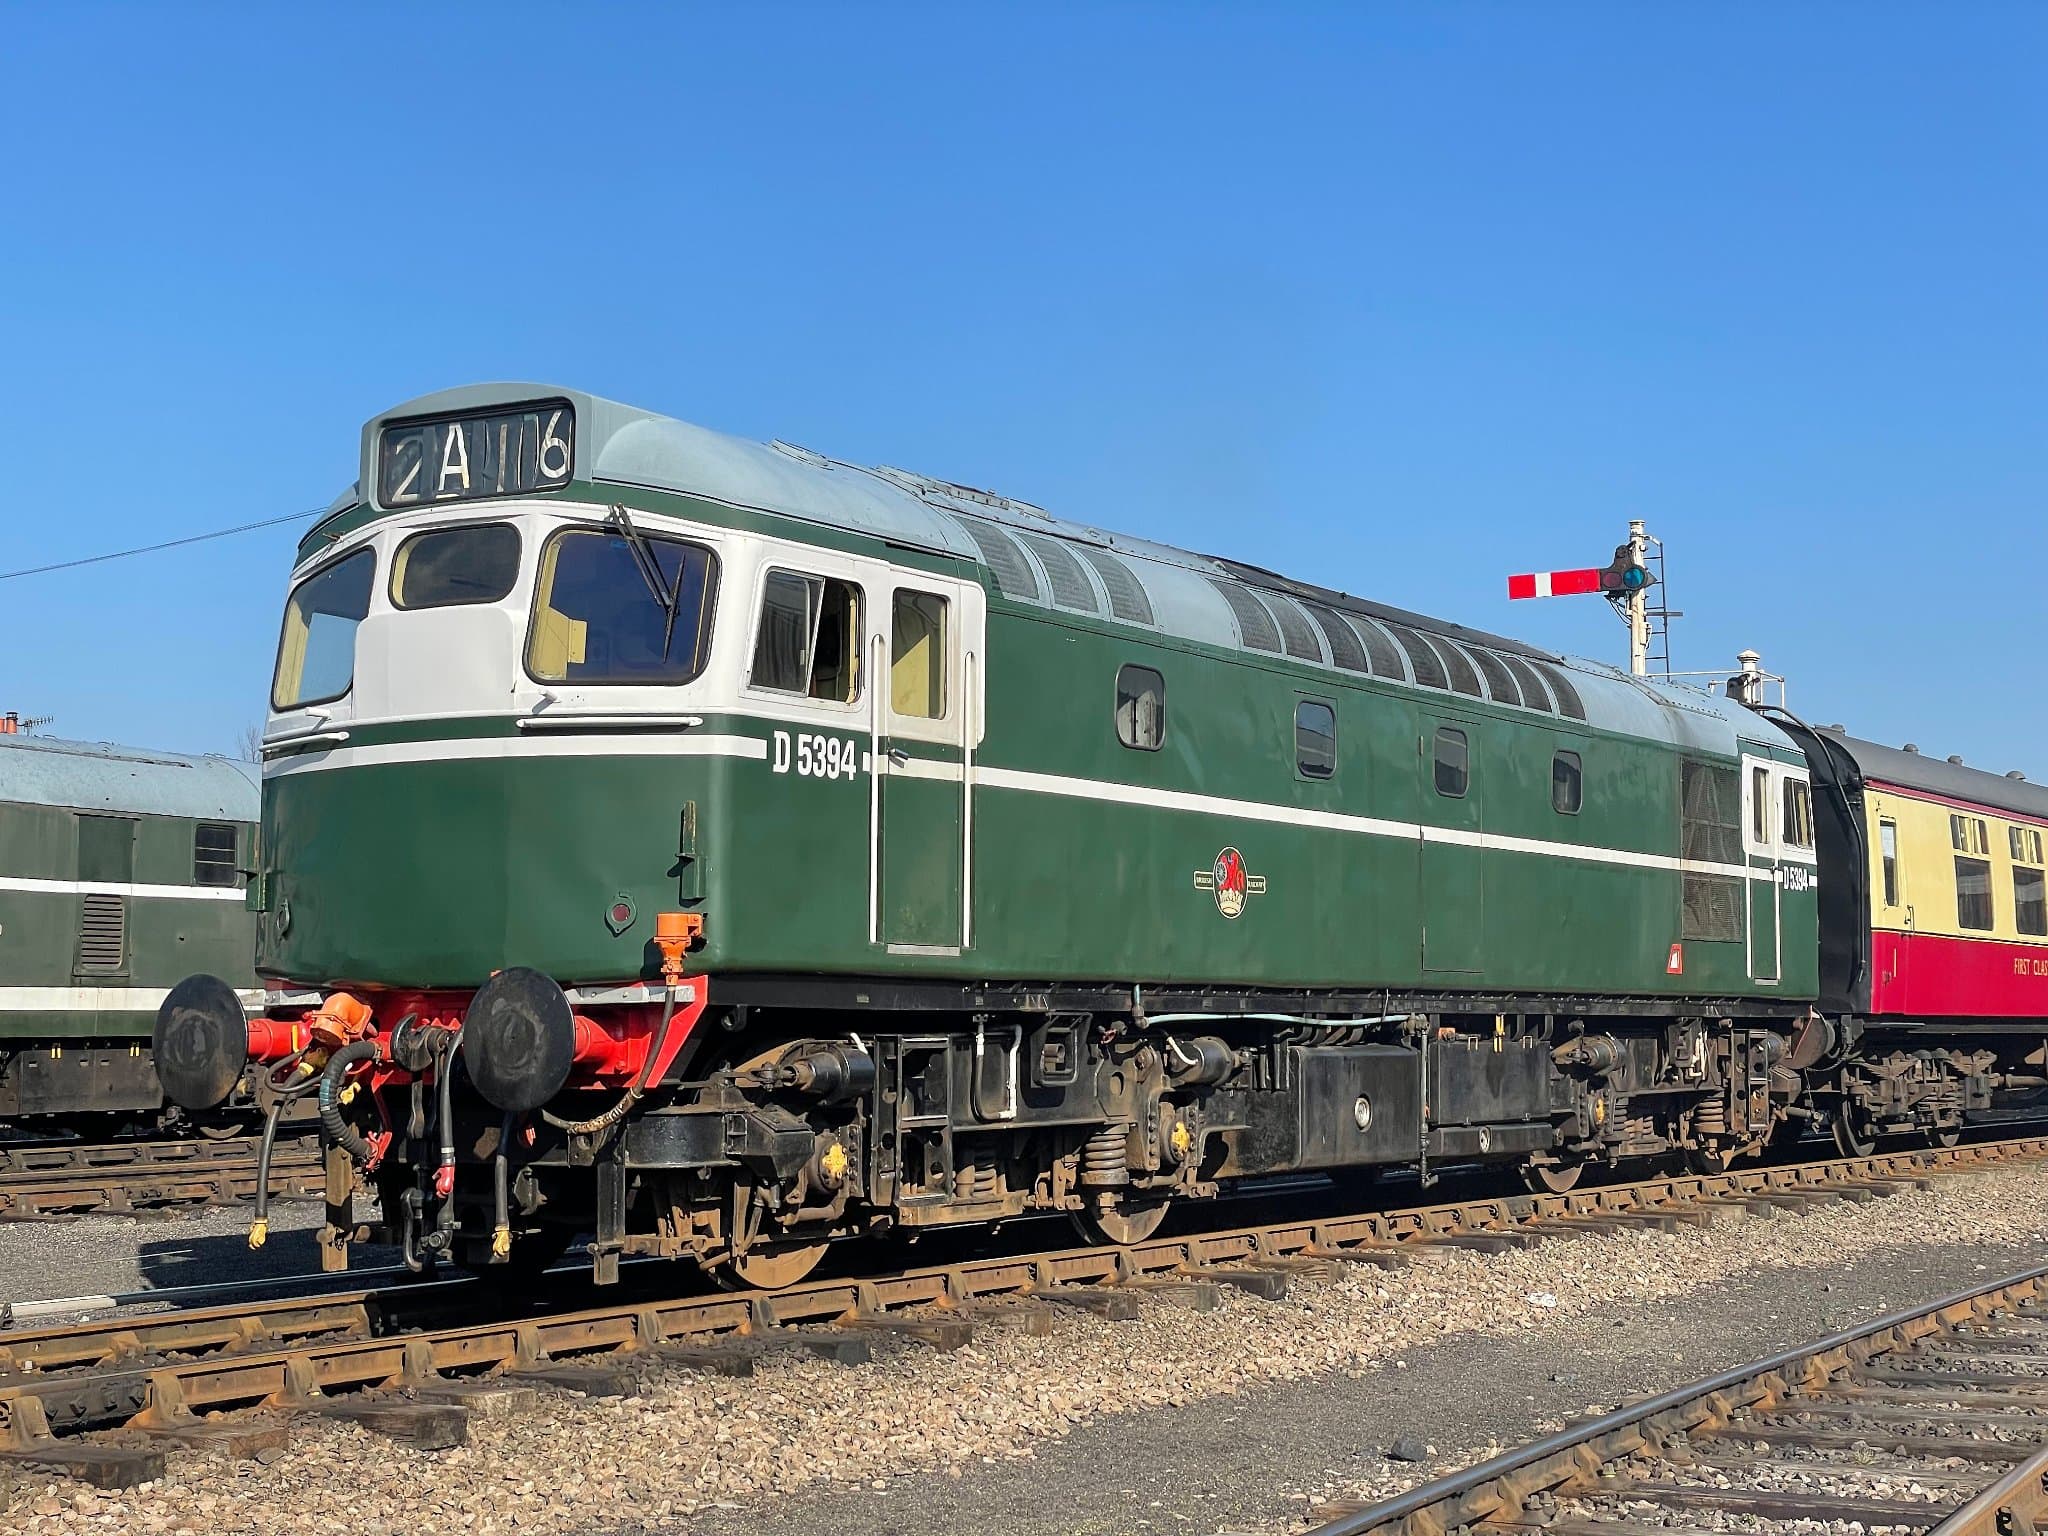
[766, 1268]
[1127, 1222]
[1554, 1178]
[1853, 1135]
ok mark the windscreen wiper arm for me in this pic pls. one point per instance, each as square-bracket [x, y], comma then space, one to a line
[670, 598]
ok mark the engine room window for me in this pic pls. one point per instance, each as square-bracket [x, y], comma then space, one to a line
[917, 665]
[1888, 851]
[1973, 893]
[2030, 900]
[809, 638]
[1760, 806]
[1798, 814]
[1567, 784]
[1710, 832]
[1453, 766]
[1315, 739]
[213, 853]
[316, 655]
[602, 616]
[448, 567]
[1140, 708]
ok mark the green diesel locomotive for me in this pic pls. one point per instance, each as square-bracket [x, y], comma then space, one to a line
[119, 874]
[725, 849]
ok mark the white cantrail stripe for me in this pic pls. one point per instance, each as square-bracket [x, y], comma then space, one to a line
[111, 888]
[754, 748]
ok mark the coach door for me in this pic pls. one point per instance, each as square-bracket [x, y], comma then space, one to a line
[926, 719]
[1453, 868]
[1762, 924]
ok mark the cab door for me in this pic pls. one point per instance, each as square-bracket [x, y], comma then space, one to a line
[925, 724]
[1453, 860]
[1762, 925]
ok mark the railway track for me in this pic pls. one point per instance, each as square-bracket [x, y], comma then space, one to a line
[104, 1400]
[1932, 1420]
[131, 1178]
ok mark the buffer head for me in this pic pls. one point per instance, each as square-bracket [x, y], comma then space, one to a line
[201, 1042]
[519, 1039]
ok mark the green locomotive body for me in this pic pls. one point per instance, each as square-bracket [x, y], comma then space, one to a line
[1026, 867]
[120, 872]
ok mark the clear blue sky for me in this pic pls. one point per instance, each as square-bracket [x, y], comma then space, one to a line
[1401, 298]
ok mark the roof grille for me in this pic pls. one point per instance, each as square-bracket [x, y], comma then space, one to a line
[1463, 677]
[1386, 659]
[1127, 596]
[1567, 696]
[1345, 650]
[1254, 624]
[1498, 683]
[1295, 632]
[102, 932]
[1429, 667]
[1013, 573]
[1533, 693]
[1070, 587]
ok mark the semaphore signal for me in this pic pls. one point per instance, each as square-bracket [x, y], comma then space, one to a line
[1625, 581]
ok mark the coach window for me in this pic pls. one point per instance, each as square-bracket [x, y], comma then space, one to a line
[1973, 894]
[213, 853]
[917, 672]
[1798, 814]
[1315, 739]
[1140, 708]
[1888, 851]
[316, 655]
[617, 607]
[446, 567]
[1567, 784]
[1967, 835]
[809, 638]
[2029, 883]
[1453, 772]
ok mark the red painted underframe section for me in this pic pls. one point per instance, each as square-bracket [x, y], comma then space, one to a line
[1935, 976]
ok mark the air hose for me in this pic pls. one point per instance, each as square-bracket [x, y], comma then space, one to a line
[332, 1121]
[286, 1086]
[634, 1094]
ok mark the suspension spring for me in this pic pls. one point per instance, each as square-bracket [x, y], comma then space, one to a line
[1104, 1156]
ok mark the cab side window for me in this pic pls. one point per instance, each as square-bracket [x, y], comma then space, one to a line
[808, 641]
[1798, 823]
[917, 667]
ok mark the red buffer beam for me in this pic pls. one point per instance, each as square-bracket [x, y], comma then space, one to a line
[1555, 583]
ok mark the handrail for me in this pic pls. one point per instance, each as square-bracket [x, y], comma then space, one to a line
[569, 720]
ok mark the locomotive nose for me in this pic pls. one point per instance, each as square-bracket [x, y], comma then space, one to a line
[201, 1042]
[519, 1039]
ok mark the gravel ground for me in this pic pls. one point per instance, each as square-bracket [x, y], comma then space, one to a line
[1180, 1421]
[112, 1255]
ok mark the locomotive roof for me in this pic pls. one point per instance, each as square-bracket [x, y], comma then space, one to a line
[100, 776]
[1955, 781]
[1073, 567]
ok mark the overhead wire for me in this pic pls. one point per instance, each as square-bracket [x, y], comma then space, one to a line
[151, 549]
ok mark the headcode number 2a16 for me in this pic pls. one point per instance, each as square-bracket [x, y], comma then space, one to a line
[816, 757]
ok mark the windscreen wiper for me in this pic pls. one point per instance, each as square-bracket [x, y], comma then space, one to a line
[669, 597]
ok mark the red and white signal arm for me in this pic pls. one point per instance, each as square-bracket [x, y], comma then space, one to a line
[1555, 583]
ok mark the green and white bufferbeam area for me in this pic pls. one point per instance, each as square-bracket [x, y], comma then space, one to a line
[723, 849]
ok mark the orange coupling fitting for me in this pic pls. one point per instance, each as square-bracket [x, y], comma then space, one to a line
[675, 933]
[274, 1039]
[339, 1020]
